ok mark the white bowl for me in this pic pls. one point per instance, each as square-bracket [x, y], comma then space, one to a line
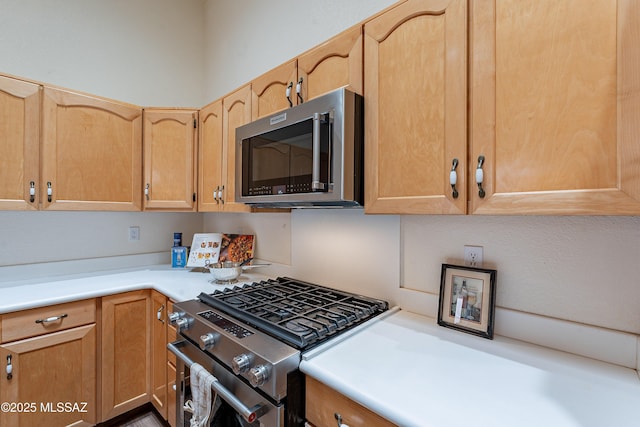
[227, 272]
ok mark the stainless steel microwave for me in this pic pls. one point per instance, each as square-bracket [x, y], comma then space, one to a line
[310, 155]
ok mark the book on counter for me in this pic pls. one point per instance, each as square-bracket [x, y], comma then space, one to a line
[219, 247]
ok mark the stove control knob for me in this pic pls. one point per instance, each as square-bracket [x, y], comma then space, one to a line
[207, 341]
[258, 375]
[183, 323]
[241, 363]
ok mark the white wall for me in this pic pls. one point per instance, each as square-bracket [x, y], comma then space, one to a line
[245, 38]
[145, 52]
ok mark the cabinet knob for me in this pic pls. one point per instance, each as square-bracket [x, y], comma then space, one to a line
[480, 177]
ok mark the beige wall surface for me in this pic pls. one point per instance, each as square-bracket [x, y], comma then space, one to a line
[145, 52]
[582, 269]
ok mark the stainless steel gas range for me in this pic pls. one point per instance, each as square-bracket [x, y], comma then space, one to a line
[251, 338]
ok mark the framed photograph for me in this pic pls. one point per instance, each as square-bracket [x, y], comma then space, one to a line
[467, 299]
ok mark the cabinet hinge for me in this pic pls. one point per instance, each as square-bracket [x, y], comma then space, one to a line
[195, 124]
[194, 197]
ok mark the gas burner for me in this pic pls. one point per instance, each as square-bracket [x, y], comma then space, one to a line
[299, 313]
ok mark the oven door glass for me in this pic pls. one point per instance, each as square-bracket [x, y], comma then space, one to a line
[281, 161]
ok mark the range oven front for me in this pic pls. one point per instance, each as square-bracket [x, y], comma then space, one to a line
[251, 338]
[238, 403]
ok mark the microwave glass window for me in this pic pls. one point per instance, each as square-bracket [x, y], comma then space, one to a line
[281, 161]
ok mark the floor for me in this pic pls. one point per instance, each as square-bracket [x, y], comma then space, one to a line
[145, 419]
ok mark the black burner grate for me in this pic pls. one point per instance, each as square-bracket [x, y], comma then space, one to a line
[299, 313]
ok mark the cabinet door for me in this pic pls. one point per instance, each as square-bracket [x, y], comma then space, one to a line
[236, 111]
[415, 108]
[126, 331]
[91, 152]
[19, 143]
[333, 64]
[170, 156]
[172, 335]
[554, 106]
[269, 91]
[159, 353]
[48, 371]
[210, 158]
[322, 403]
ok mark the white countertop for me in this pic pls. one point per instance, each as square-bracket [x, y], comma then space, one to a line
[415, 373]
[405, 367]
[178, 284]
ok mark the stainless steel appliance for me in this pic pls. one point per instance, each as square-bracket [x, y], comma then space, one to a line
[251, 339]
[310, 155]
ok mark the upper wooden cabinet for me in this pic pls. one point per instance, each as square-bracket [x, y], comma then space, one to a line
[217, 156]
[170, 157]
[210, 157]
[269, 91]
[91, 153]
[20, 144]
[415, 62]
[555, 102]
[236, 111]
[331, 65]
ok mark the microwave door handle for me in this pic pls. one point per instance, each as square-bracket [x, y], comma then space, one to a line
[315, 170]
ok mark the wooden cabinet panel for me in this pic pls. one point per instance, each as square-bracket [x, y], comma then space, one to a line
[171, 394]
[170, 157]
[269, 91]
[415, 108]
[91, 152]
[159, 353]
[236, 111]
[554, 106]
[19, 143]
[322, 403]
[331, 65]
[210, 157]
[126, 373]
[44, 320]
[336, 63]
[48, 369]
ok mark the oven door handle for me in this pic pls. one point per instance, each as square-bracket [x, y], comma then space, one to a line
[249, 414]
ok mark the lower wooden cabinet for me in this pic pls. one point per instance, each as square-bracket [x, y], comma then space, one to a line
[125, 352]
[82, 363]
[53, 379]
[323, 402]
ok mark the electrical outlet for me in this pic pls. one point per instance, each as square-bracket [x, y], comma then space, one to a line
[473, 256]
[134, 233]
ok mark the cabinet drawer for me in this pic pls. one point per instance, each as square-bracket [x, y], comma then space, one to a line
[43, 320]
[323, 402]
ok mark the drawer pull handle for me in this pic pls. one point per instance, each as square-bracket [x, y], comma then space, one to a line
[480, 177]
[453, 178]
[339, 419]
[159, 313]
[9, 368]
[52, 319]
[32, 191]
[288, 94]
